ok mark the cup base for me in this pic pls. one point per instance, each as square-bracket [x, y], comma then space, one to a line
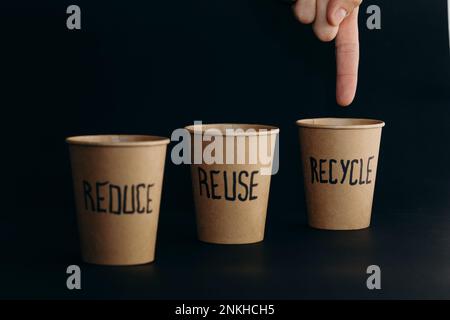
[339, 228]
[230, 243]
[118, 264]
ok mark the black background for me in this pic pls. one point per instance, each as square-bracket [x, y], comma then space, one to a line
[149, 67]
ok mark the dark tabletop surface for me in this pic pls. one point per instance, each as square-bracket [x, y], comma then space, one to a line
[294, 262]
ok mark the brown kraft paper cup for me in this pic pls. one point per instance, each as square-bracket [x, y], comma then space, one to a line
[117, 184]
[231, 199]
[339, 160]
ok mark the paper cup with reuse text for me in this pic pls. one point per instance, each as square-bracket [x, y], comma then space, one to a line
[339, 160]
[117, 183]
[231, 196]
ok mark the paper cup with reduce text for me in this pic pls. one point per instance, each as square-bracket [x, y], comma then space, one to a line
[117, 184]
[339, 160]
[231, 188]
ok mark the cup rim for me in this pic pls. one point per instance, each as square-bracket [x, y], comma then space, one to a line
[117, 140]
[340, 123]
[268, 129]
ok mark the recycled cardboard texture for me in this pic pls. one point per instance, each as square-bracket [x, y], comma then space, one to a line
[223, 221]
[112, 232]
[334, 201]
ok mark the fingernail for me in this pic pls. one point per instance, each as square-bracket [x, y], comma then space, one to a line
[340, 15]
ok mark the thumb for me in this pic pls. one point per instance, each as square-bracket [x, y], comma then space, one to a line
[338, 10]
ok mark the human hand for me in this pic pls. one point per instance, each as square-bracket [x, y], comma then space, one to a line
[336, 19]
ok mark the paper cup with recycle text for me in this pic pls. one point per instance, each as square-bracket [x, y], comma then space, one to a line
[231, 179]
[339, 160]
[117, 183]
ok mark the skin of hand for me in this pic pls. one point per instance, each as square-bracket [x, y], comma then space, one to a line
[336, 20]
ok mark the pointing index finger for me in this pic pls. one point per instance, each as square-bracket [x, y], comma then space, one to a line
[347, 59]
